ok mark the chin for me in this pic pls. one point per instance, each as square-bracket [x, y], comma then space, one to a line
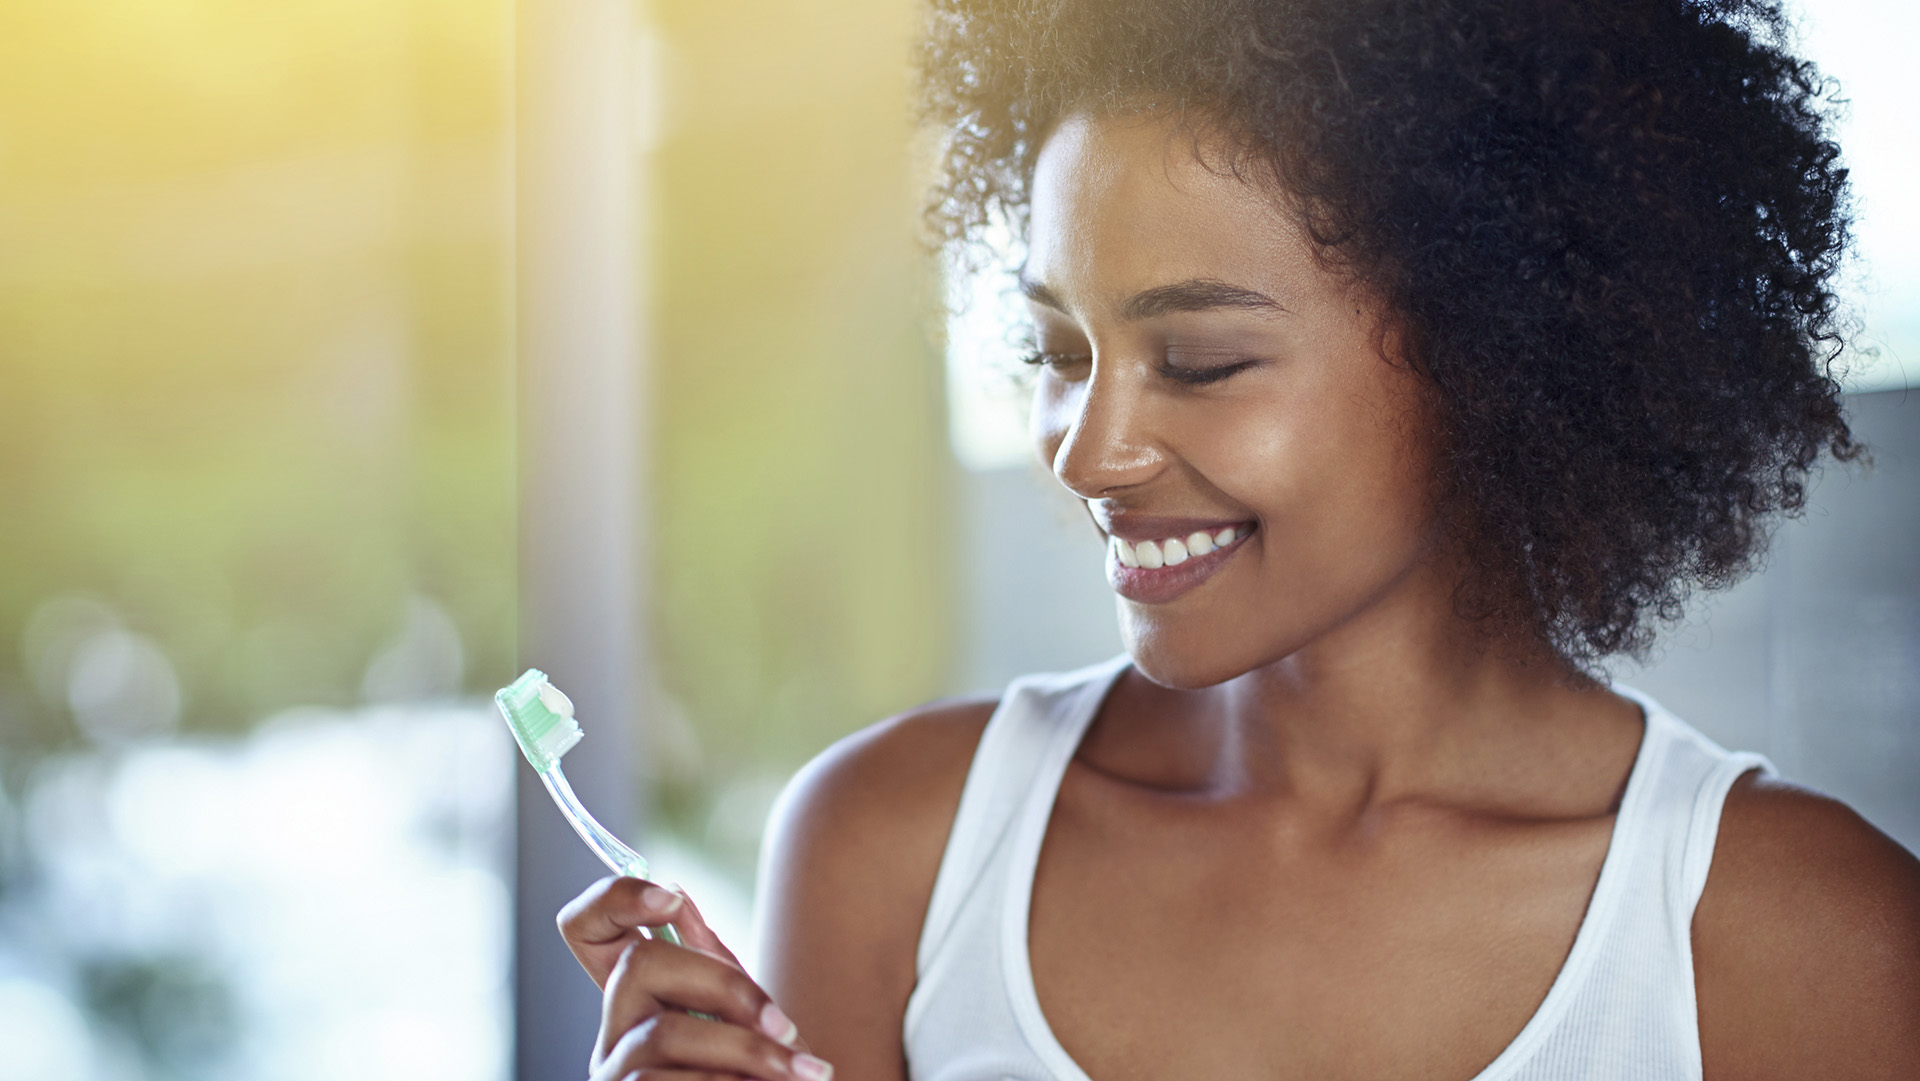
[1181, 659]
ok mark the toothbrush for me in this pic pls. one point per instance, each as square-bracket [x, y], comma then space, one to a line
[542, 722]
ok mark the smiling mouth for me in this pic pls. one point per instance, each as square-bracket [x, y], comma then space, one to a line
[1157, 571]
[1173, 551]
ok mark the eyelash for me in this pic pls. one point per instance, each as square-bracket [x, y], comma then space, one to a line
[1197, 377]
[1192, 377]
[1050, 360]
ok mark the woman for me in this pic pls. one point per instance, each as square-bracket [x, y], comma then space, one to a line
[1411, 357]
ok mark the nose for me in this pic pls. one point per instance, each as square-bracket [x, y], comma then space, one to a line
[1096, 431]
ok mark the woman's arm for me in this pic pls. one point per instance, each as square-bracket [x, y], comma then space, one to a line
[1807, 943]
[850, 859]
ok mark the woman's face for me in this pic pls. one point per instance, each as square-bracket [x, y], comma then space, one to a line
[1222, 404]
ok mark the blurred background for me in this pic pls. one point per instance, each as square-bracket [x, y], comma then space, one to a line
[358, 353]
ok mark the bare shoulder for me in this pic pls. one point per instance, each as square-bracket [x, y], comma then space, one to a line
[879, 801]
[851, 854]
[1807, 942]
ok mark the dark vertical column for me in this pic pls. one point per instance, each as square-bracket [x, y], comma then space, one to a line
[579, 441]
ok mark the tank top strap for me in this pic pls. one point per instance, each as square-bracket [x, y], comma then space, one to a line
[1703, 820]
[1624, 1003]
[1630, 1008]
[1685, 797]
[1035, 716]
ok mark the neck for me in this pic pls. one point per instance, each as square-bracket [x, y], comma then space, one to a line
[1406, 701]
[1379, 726]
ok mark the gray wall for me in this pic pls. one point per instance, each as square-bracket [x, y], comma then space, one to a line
[1815, 662]
[1035, 596]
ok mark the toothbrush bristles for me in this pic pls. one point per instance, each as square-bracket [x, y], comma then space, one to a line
[543, 732]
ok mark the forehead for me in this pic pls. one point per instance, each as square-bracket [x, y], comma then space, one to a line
[1125, 203]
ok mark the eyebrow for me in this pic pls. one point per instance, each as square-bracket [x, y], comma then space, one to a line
[1192, 295]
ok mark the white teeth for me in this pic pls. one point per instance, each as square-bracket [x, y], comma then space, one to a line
[1174, 552]
[1152, 555]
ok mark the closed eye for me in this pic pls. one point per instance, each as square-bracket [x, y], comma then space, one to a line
[1202, 376]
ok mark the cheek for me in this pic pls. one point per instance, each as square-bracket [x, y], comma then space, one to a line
[1327, 472]
[1339, 489]
[1255, 453]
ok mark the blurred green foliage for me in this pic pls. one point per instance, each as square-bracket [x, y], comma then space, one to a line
[253, 328]
[255, 332]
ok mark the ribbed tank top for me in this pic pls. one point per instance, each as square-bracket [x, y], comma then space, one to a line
[1622, 1005]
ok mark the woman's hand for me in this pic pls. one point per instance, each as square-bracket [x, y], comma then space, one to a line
[651, 990]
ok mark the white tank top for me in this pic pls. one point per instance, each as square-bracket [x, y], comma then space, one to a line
[1621, 1006]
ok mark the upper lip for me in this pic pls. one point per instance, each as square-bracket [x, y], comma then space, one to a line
[1134, 528]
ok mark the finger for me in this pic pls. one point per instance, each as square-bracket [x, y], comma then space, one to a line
[600, 922]
[652, 978]
[630, 1062]
[611, 907]
[659, 1073]
[626, 1005]
[678, 1041]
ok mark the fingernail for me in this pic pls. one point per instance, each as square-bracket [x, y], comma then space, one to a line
[808, 1068]
[664, 902]
[778, 1025]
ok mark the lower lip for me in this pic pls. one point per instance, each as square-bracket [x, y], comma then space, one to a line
[1162, 584]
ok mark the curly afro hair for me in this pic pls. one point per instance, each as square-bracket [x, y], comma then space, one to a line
[1608, 230]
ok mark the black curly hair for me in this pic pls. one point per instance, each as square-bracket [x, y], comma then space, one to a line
[1608, 230]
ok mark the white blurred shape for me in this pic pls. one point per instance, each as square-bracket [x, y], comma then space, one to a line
[178, 811]
[42, 1036]
[466, 932]
[424, 659]
[121, 687]
[410, 1045]
[986, 402]
[64, 811]
[340, 870]
[323, 800]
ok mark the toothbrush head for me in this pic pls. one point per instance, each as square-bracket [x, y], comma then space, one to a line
[541, 718]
